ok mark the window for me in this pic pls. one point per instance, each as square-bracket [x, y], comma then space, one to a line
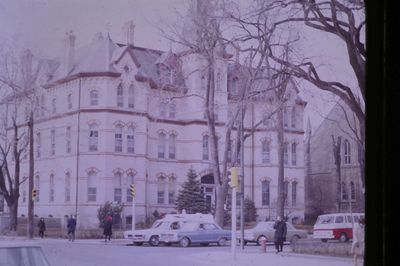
[130, 180]
[160, 190]
[36, 185]
[265, 193]
[67, 187]
[218, 83]
[205, 147]
[203, 82]
[172, 143]
[130, 140]
[293, 117]
[51, 190]
[38, 144]
[285, 153]
[352, 191]
[294, 154]
[24, 190]
[234, 86]
[339, 219]
[294, 193]
[285, 117]
[93, 138]
[347, 152]
[163, 109]
[120, 95]
[229, 155]
[94, 98]
[42, 105]
[54, 106]
[161, 145]
[69, 101]
[53, 142]
[68, 136]
[286, 191]
[172, 110]
[118, 187]
[131, 96]
[91, 186]
[344, 193]
[265, 152]
[171, 191]
[118, 139]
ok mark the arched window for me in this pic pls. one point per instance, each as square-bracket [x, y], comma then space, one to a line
[161, 144]
[38, 144]
[130, 179]
[94, 98]
[42, 105]
[91, 186]
[203, 81]
[68, 139]
[120, 95]
[67, 187]
[131, 96]
[172, 110]
[69, 101]
[160, 190]
[171, 191]
[37, 187]
[172, 143]
[286, 191]
[265, 151]
[352, 191]
[118, 186]
[344, 193]
[118, 138]
[294, 153]
[265, 193]
[51, 190]
[293, 117]
[205, 147]
[53, 142]
[93, 138]
[347, 152]
[163, 109]
[285, 153]
[234, 86]
[294, 193]
[285, 117]
[130, 140]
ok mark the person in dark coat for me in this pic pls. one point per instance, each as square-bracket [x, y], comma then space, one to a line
[42, 227]
[71, 225]
[107, 228]
[280, 234]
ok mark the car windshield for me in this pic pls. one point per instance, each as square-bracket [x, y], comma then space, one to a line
[162, 225]
[156, 224]
[325, 220]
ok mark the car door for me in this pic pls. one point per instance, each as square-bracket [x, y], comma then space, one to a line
[212, 234]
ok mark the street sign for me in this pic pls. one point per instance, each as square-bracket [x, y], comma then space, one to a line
[233, 177]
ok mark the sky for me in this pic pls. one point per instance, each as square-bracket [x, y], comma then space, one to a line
[41, 25]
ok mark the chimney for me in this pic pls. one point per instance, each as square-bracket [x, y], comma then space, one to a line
[129, 32]
[69, 51]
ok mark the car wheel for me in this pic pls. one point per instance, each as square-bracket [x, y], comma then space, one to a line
[343, 237]
[261, 237]
[138, 243]
[222, 241]
[294, 239]
[324, 240]
[154, 241]
[185, 242]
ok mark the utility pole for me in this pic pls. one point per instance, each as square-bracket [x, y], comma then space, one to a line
[30, 180]
[233, 183]
[133, 192]
[242, 177]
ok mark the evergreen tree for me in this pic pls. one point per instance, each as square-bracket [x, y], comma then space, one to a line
[191, 197]
[250, 211]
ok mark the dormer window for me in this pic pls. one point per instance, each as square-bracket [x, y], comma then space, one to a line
[126, 69]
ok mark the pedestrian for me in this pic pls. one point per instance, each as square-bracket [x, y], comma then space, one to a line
[280, 234]
[42, 227]
[358, 245]
[107, 227]
[71, 225]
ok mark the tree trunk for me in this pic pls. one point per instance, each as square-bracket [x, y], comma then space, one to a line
[337, 171]
[14, 216]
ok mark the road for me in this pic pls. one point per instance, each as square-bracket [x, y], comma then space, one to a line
[60, 252]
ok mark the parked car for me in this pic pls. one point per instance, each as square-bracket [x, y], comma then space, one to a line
[16, 254]
[266, 231]
[170, 222]
[202, 233]
[338, 226]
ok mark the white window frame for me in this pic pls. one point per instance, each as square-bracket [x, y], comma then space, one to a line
[93, 138]
[266, 152]
[94, 98]
[172, 146]
[130, 140]
[206, 147]
[91, 187]
[162, 138]
[131, 96]
[118, 138]
[53, 142]
[68, 139]
[120, 95]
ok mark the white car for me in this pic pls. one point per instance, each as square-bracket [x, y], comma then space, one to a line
[171, 222]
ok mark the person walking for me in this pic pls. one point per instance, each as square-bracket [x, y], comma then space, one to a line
[107, 232]
[280, 234]
[358, 245]
[42, 227]
[71, 225]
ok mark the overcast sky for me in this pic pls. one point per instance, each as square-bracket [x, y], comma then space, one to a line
[41, 25]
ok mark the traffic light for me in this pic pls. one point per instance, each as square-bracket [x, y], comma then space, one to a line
[233, 177]
[34, 194]
[132, 189]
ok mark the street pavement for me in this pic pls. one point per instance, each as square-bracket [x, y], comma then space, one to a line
[95, 252]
